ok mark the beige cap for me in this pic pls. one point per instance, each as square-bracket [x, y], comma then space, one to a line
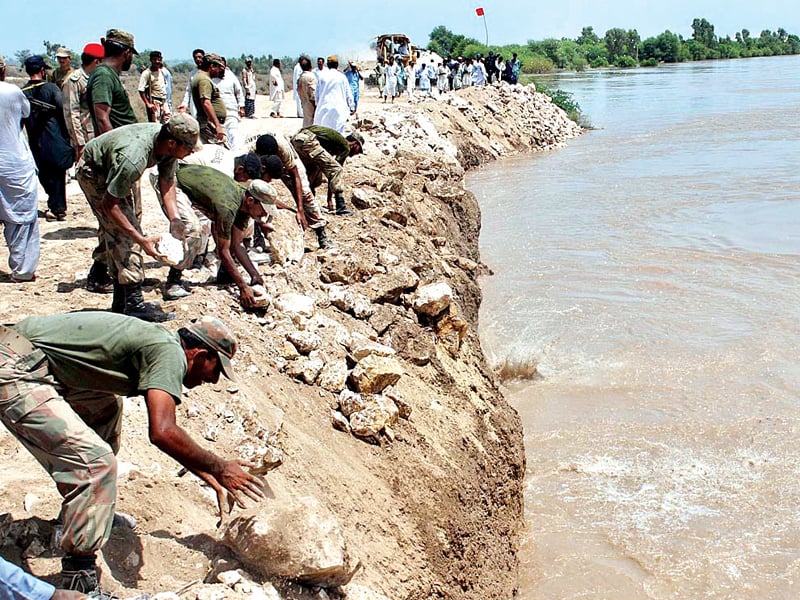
[62, 53]
[118, 36]
[184, 128]
[265, 193]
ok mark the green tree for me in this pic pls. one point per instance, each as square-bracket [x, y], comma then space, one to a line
[444, 42]
[588, 37]
[665, 47]
[703, 33]
[622, 43]
[21, 55]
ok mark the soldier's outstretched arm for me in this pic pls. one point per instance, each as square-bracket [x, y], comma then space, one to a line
[173, 440]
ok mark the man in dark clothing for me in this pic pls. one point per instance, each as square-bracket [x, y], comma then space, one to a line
[48, 137]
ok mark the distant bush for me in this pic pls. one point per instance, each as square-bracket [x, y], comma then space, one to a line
[625, 62]
[649, 62]
[538, 64]
[599, 62]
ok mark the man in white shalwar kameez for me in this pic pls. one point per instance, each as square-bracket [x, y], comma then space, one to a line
[296, 72]
[232, 94]
[19, 201]
[334, 97]
[277, 87]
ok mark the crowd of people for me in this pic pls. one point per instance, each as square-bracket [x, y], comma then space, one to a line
[62, 376]
[399, 74]
[85, 117]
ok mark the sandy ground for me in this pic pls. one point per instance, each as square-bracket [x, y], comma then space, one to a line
[415, 509]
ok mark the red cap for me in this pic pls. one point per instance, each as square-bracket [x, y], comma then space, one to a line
[94, 50]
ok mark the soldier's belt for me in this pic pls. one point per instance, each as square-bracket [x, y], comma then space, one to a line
[28, 357]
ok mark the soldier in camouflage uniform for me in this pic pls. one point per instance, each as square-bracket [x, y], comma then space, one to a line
[323, 151]
[108, 169]
[61, 378]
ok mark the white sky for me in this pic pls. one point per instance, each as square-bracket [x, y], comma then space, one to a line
[346, 28]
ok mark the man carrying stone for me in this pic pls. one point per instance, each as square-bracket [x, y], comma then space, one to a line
[285, 164]
[230, 206]
[61, 381]
[110, 107]
[323, 151]
[110, 166]
[211, 110]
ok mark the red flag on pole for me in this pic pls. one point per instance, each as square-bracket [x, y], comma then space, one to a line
[479, 12]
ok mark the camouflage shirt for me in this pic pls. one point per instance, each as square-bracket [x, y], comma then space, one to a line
[216, 195]
[123, 154]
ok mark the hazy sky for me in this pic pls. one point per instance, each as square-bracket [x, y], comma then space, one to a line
[346, 28]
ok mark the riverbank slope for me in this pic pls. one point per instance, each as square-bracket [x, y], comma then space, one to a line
[423, 478]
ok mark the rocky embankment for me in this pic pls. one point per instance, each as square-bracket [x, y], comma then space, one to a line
[394, 466]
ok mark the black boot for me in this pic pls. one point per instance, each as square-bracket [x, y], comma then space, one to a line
[322, 238]
[79, 574]
[172, 286]
[118, 303]
[341, 209]
[135, 305]
[98, 280]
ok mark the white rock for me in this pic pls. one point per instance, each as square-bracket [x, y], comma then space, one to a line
[170, 248]
[295, 305]
[333, 376]
[342, 298]
[296, 539]
[432, 299]
[304, 341]
[306, 369]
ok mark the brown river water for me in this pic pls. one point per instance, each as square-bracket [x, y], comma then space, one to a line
[650, 274]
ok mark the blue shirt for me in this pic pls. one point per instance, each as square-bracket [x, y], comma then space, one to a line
[16, 584]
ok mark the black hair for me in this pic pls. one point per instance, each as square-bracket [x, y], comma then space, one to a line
[87, 59]
[190, 341]
[112, 49]
[272, 165]
[276, 62]
[251, 164]
[266, 145]
[305, 63]
[200, 50]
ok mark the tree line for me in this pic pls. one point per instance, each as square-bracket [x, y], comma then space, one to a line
[623, 48]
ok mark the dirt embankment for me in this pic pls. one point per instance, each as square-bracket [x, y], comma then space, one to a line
[432, 504]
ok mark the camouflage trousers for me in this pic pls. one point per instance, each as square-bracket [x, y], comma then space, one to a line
[123, 256]
[311, 209]
[198, 225]
[318, 162]
[74, 434]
